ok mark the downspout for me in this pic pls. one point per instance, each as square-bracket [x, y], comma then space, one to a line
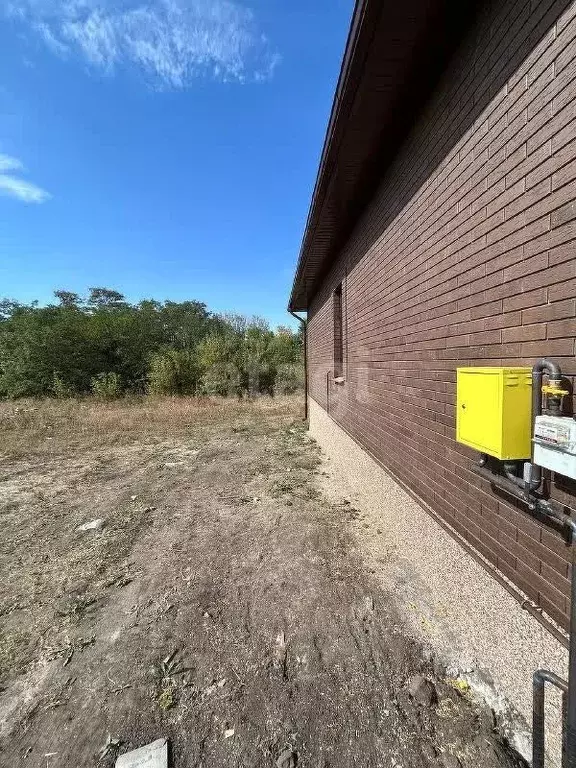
[304, 325]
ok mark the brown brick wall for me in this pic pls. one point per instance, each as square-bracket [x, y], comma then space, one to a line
[466, 256]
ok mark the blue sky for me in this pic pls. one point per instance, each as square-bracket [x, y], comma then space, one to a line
[165, 148]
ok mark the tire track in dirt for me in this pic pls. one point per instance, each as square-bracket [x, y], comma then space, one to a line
[281, 637]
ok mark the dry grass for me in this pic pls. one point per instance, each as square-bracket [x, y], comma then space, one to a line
[220, 603]
[47, 426]
[64, 463]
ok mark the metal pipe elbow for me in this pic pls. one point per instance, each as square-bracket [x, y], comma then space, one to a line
[510, 472]
[547, 366]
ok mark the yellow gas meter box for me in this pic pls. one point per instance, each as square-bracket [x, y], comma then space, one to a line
[494, 411]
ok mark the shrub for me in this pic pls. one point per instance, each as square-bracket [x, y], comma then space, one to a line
[167, 347]
[174, 372]
[289, 378]
[219, 355]
[62, 389]
[224, 379]
[106, 386]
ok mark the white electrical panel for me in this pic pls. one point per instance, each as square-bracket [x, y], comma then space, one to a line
[555, 444]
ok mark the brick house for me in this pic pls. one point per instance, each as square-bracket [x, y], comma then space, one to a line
[441, 234]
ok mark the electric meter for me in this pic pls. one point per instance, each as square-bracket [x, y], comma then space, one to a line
[555, 444]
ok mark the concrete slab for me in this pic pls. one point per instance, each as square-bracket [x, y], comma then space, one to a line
[154, 755]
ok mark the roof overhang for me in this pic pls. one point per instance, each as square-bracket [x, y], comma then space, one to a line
[394, 55]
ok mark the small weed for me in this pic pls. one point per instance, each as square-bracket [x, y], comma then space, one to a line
[166, 671]
[167, 698]
[170, 667]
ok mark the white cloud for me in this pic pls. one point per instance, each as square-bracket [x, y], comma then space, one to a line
[13, 186]
[172, 42]
[8, 163]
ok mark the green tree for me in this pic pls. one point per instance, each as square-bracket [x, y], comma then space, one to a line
[174, 372]
[107, 344]
[67, 298]
[239, 358]
[218, 356]
[105, 298]
[37, 342]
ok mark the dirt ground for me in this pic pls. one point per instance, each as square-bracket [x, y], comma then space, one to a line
[223, 605]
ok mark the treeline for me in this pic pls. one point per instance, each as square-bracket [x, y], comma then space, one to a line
[103, 345]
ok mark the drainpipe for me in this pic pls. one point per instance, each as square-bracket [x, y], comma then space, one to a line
[304, 324]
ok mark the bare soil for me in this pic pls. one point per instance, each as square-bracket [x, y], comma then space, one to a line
[224, 604]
